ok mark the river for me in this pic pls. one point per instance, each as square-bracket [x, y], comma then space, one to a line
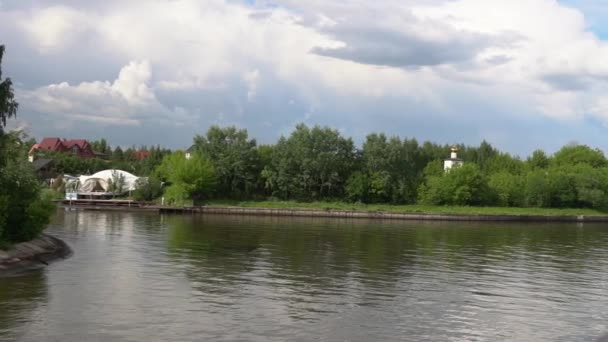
[145, 277]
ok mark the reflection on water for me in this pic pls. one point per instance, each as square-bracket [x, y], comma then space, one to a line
[21, 299]
[140, 276]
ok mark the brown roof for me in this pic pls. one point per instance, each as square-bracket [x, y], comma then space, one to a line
[141, 154]
[50, 144]
[58, 145]
[81, 143]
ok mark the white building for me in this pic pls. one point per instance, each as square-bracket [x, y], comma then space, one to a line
[189, 151]
[453, 160]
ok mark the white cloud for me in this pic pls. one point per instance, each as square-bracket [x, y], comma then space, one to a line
[53, 28]
[127, 101]
[420, 59]
[251, 79]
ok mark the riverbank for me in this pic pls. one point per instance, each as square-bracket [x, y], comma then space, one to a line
[344, 210]
[388, 215]
[32, 254]
[410, 208]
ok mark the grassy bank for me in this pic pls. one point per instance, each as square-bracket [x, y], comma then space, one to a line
[410, 208]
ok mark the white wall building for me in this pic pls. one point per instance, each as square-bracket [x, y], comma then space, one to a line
[453, 160]
[189, 151]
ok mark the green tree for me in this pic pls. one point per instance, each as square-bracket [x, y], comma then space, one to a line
[311, 164]
[118, 154]
[504, 162]
[8, 105]
[537, 189]
[464, 185]
[579, 154]
[147, 189]
[116, 184]
[235, 159]
[393, 166]
[591, 185]
[507, 188]
[358, 187]
[562, 188]
[190, 179]
[24, 210]
[481, 155]
[538, 160]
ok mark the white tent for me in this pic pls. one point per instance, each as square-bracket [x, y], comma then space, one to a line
[100, 182]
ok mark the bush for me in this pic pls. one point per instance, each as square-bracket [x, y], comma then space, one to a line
[147, 189]
[463, 185]
[537, 189]
[357, 187]
[506, 188]
[24, 209]
[191, 179]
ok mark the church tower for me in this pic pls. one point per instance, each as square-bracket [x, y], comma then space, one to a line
[453, 160]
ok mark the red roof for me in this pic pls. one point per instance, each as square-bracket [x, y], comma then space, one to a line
[34, 148]
[81, 143]
[58, 145]
[50, 144]
[141, 154]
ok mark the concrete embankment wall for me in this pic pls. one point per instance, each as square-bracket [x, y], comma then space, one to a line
[394, 216]
[32, 254]
[110, 205]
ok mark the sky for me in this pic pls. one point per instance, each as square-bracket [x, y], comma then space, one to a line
[520, 74]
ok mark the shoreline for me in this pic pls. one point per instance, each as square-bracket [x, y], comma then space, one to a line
[334, 213]
[383, 215]
[33, 254]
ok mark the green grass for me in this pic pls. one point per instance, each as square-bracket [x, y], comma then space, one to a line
[426, 209]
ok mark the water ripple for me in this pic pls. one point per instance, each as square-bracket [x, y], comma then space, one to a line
[140, 277]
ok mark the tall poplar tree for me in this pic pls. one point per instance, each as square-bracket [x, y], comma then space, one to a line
[8, 105]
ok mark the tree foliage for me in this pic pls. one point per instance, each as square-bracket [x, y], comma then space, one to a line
[189, 179]
[24, 209]
[463, 185]
[312, 163]
[579, 154]
[235, 159]
[148, 189]
[8, 104]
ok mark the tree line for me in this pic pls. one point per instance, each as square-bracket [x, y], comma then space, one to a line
[319, 163]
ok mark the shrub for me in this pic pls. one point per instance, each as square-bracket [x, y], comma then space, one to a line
[147, 189]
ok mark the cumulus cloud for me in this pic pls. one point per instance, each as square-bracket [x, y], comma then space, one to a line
[126, 101]
[403, 66]
[54, 27]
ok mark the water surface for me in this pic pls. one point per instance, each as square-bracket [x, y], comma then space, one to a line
[145, 277]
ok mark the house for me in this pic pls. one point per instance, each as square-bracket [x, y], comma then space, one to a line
[141, 155]
[78, 147]
[189, 152]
